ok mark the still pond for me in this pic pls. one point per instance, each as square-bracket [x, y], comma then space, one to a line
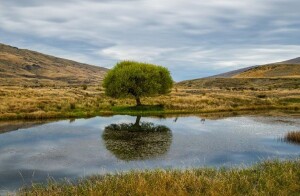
[34, 151]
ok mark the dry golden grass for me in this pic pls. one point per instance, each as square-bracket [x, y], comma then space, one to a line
[55, 102]
[269, 178]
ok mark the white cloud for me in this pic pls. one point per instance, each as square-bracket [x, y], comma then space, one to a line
[135, 53]
[195, 35]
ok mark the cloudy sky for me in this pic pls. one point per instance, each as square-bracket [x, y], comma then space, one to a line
[193, 38]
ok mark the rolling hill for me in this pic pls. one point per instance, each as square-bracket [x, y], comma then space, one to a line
[291, 61]
[271, 71]
[232, 73]
[26, 67]
[284, 74]
[289, 69]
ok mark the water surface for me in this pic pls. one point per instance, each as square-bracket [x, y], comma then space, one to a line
[33, 151]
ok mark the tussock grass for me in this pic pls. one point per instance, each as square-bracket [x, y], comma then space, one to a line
[293, 136]
[268, 178]
[57, 102]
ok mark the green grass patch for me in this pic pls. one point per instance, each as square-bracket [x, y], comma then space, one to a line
[123, 110]
[142, 108]
[291, 100]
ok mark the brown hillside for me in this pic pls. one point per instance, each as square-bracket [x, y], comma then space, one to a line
[271, 71]
[25, 67]
[283, 75]
[291, 61]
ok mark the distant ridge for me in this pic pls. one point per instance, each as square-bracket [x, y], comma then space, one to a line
[280, 70]
[26, 67]
[285, 74]
[289, 68]
[291, 61]
[232, 73]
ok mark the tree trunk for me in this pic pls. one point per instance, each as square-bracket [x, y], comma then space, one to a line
[137, 121]
[138, 101]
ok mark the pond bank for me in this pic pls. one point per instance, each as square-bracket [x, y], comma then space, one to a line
[267, 178]
[39, 115]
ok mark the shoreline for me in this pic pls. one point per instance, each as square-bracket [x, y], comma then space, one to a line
[271, 177]
[41, 115]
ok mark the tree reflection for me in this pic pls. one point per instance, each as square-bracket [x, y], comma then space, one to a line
[137, 141]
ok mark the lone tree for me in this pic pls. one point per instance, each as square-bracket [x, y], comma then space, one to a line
[134, 79]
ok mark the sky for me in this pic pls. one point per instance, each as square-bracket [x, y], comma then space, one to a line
[192, 38]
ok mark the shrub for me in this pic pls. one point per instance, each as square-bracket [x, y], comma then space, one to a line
[261, 96]
[84, 86]
[72, 106]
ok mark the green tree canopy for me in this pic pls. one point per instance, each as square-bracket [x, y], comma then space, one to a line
[134, 79]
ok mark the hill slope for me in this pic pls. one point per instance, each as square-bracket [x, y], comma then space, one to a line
[232, 73]
[25, 67]
[284, 74]
[271, 71]
[291, 61]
